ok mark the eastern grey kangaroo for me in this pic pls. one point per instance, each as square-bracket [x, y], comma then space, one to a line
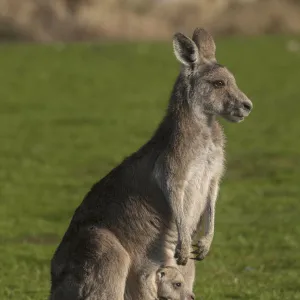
[171, 285]
[146, 211]
[167, 284]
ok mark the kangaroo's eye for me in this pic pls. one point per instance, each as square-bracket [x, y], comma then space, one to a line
[218, 83]
[177, 284]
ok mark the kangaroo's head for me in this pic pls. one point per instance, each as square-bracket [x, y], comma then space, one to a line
[171, 285]
[211, 88]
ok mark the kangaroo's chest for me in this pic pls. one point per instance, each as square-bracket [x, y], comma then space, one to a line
[207, 165]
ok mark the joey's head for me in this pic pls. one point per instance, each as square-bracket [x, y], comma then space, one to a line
[210, 87]
[171, 286]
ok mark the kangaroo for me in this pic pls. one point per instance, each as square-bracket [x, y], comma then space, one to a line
[147, 210]
[167, 283]
[171, 286]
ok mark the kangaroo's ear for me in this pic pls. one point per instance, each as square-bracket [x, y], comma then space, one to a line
[185, 50]
[206, 45]
[160, 274]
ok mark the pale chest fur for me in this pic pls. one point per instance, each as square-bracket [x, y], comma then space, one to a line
[207, 166]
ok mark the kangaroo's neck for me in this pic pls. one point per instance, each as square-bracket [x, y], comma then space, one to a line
[182, 118]
[182, 131]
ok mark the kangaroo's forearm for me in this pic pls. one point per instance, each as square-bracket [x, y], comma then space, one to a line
[209, 224]
[208, 217]
[171, 181]
[174, 193]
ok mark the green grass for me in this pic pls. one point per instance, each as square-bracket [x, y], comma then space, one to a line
[69, 114]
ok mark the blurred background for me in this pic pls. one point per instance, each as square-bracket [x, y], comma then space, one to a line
[71, 20]
[84, 83]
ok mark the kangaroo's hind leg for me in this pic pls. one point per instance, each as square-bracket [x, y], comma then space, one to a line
[97, 269]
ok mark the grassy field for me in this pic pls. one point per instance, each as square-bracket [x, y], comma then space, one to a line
[69, 114]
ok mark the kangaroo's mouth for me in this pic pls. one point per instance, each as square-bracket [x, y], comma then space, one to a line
[235, 118]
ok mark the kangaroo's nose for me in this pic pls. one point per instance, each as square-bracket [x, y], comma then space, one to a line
[247, 105]
[192, 296]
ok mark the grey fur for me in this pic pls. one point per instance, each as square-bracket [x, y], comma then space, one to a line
[148, 209]
[171, 285]
[163, 285]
